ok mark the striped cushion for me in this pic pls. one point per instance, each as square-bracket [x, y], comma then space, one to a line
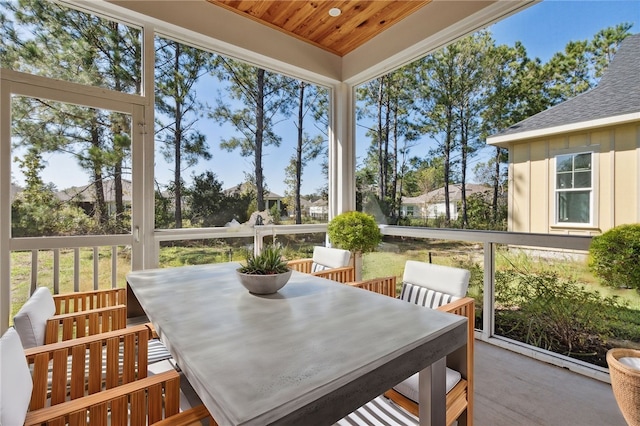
[431, 299]
[425, 297]
[157, 351]
[316, 267]
[379, 412]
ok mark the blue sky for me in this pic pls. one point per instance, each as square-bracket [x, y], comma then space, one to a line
[546, 27]
[543, 28]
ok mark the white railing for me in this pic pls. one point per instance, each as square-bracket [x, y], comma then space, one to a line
[489, 240]
[58, 245]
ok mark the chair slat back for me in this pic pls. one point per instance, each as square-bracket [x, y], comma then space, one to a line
[82, 301]
[137, 404]
[342, 275]
[72, 369]
[86, 323]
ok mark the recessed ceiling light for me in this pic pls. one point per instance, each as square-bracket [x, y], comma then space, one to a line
[334, 11]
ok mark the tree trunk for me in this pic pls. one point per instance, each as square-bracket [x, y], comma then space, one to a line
[381, 158]
[177, 175]
[464, 136]
[496, 184]
[298, 183]
[259, 138]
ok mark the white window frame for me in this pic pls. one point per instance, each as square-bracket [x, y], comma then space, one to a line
[592, 190]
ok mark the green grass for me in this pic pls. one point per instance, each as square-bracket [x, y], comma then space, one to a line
[390, 260]
[576, 270]
[21, 271]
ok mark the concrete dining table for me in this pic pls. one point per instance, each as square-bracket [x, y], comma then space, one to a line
[307, 355]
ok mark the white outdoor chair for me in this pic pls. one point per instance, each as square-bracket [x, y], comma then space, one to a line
[40, 320]
[327, 262]
[139, 402]
[436, 287]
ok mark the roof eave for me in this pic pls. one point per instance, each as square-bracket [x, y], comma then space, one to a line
[503, 141]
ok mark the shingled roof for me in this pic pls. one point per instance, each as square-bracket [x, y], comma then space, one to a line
[617, 94]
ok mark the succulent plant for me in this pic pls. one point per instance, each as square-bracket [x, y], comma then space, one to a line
[269, 262]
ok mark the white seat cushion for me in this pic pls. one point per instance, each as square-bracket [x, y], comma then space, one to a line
[31, 320]
[328, 258]
[409, 387]
[443, 279]
[15, 383]
[379, 412]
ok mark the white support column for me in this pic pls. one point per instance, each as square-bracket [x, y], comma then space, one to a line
[342, 158]
[488, 304]
[150, 250]
[5, 204]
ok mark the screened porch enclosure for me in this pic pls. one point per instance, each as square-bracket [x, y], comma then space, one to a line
[213, 29]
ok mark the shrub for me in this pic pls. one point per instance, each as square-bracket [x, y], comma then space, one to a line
[614, 256]
[553, 313]
[354, 231]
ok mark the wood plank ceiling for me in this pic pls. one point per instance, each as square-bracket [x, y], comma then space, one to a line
[358, 22]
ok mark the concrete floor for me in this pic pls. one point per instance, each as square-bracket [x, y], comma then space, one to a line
[512, 389]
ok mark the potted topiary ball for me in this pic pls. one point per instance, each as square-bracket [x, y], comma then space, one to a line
[357, 232]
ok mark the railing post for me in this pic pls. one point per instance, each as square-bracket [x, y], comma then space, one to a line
[34, 271]
[114, 266]
[258, 239]
[96, 272]
[56, 271]
[76, 269]
[488, 303]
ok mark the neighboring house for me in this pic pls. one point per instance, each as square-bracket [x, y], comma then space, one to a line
[432, 204]
[319, 209]
[574, 168]
[304, 207]
[270, 198]
[84, 196]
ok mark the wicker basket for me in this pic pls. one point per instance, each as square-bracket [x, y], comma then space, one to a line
[625, 383]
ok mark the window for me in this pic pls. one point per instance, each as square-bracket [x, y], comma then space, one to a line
[72, 165]
[574, 188]
[56, 41]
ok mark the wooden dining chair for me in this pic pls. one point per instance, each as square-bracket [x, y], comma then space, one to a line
[44, 319]
[145, 400]
[47, 318]
[71, 369]
[67, 303]
[327, 262]
[436, 287]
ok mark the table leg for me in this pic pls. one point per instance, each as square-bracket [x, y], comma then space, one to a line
[133, 305]
[432, 394]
